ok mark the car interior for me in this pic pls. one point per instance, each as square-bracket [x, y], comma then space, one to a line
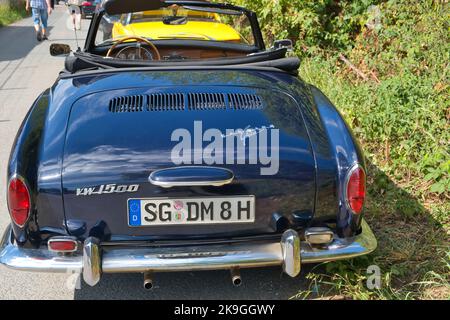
[175, 36]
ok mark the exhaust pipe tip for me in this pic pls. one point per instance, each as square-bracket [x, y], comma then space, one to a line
[148, 281]
[148, 285]
[236, 277]
[237, 281]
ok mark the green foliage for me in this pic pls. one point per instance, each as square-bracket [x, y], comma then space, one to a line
[10, 14]
[402, 118]
[441, 176]
[313, 24]
[400, 112]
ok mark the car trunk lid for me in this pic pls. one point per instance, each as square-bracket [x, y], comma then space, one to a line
[116, 139]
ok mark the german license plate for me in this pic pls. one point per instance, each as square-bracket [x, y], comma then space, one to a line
[186, 211]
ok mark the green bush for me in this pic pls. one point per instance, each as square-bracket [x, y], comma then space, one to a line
[400, 112]
[314, 25]
[9, 14]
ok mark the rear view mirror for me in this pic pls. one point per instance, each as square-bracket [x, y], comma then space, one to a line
[285, 43]
[59, 49]
[121, 6]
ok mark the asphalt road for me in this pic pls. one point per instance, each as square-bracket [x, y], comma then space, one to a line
[26, 69]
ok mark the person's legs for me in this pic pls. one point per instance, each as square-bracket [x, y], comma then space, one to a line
[37, 22]
[44, 19]
[78, 21]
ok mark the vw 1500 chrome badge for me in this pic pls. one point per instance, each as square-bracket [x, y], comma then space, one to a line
[106, 189]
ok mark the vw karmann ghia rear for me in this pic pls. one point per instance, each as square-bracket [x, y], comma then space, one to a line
[182, 152]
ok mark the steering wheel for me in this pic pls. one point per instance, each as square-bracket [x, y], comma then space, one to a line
[139, 39]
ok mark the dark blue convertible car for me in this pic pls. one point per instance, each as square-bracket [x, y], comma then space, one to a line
[196, 148]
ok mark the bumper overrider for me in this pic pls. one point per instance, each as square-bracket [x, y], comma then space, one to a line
[94, 259]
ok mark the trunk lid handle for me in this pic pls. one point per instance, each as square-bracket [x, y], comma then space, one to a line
[189, 176]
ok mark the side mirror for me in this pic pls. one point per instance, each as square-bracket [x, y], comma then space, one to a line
[59, 49]
[111, 19]
[285, 43]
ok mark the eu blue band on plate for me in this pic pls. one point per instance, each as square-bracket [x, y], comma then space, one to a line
[134, 212]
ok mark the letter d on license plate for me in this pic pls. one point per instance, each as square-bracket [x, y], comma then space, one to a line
[171, 211]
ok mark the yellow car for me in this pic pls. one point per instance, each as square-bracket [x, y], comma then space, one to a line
[175, 23]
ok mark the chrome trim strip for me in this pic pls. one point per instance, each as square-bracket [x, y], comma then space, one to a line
[215, 183]
[289, 253]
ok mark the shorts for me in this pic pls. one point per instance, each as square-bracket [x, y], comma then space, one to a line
[40, 16]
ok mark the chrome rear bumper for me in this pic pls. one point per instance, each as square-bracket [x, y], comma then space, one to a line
[289, 252]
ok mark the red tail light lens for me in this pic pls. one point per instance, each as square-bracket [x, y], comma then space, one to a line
[356, 189]
[19, 203]
[62, 245]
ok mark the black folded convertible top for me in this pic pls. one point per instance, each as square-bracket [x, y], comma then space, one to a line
[272, 58]
[79, 63]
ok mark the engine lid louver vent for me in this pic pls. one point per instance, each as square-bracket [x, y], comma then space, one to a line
[127, 104]
[165, 102]
[244, 101]
[150, 102]
[205, 101]
[176, 102]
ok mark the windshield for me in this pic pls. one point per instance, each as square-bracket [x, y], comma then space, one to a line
[178, 23]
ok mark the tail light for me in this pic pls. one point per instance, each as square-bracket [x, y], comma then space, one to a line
[355, 189]
[86, 4]
[62, 244]
[19, 203]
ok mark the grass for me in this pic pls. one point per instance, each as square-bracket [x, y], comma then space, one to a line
[9, 14]
[410, 221]
[413, 252]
